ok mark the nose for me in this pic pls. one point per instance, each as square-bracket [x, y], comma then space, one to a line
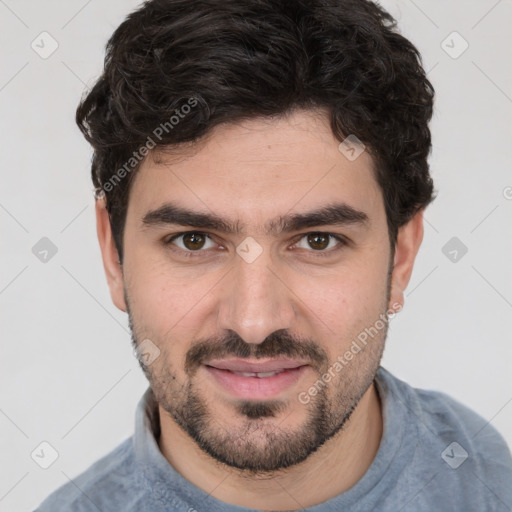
[255, 300]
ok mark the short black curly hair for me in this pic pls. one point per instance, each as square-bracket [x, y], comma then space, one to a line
[175, 69]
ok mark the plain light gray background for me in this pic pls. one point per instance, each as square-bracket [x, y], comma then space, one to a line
[68, 374]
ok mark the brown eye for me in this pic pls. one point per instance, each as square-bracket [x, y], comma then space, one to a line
[321, 244]
[194, 241]
[318, 241]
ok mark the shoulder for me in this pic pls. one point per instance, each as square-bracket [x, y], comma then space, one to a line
[444, 415]
[453, 436]
[453, 421]
[97, 486]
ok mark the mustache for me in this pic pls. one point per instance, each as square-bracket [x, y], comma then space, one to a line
[278, 344]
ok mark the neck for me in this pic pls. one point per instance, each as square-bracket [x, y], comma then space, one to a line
[331, 470]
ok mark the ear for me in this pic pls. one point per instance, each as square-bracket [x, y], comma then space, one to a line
[109, 254]
[408, 242]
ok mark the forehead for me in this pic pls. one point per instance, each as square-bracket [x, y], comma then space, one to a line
[256, 170]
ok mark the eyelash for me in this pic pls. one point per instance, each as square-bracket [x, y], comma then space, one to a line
[342, 242]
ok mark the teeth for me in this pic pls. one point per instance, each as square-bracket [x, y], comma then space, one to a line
[260, 375]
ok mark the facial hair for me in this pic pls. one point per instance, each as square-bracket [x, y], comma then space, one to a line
[258, 445]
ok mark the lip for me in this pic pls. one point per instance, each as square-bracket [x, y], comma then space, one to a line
[253, 387]
[242, 365]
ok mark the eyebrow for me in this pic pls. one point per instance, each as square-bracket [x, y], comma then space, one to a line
[339, 214]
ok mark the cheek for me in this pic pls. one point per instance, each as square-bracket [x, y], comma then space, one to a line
[161, 299]
[346, 296]
[166, 305]
[344, 304]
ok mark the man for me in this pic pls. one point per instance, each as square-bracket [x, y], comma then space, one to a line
[261, 175]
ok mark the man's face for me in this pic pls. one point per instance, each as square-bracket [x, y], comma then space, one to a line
[289, 300]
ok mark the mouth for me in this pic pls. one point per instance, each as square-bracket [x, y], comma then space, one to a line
[256, 380]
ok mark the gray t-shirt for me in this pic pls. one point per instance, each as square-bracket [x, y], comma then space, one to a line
[435, 455]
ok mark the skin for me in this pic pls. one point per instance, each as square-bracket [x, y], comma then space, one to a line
[251, 172]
